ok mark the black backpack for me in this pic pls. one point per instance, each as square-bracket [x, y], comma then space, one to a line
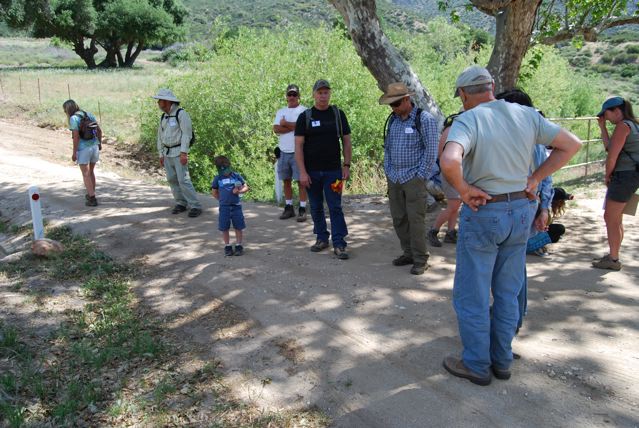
[338, 121]
[391, 117]
[177, 118]
[87, 127]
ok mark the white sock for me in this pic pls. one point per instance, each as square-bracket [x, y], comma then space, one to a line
[302, 204]
[289, 202]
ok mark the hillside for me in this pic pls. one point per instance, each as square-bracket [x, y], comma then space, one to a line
[615, 57]
[399, 14]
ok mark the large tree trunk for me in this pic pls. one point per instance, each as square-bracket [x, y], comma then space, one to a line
[132, 55]
[378, 53]
[87, 54]
[512, 38]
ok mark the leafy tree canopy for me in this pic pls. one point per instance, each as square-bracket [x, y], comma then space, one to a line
[121, 27]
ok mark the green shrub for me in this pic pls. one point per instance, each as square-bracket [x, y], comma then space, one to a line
[607, 58]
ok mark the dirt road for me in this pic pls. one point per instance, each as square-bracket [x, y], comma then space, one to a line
[360, 339]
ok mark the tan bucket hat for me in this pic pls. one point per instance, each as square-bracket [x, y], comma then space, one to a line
[395, 91]
[166, 94]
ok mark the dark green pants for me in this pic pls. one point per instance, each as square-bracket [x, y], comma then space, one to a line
[408, 209]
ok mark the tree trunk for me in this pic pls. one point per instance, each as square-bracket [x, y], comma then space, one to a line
[131, 56]
[87, 54]
[379, 55]
[512, 38]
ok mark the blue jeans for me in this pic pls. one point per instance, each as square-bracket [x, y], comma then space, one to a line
[522, 298]
[491, 257]
[321, 188]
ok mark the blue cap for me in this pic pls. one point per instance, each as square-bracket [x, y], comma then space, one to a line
[610, 103]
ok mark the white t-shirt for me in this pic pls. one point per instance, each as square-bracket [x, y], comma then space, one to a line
[287, 141]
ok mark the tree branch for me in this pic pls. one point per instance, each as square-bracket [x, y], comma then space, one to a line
[589, 33]
[490, 7]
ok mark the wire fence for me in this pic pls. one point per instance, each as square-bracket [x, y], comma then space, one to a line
[591, 156]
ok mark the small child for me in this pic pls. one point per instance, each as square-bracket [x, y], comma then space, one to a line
[227, 186]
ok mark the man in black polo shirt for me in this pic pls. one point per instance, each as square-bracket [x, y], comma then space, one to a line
[318, 155]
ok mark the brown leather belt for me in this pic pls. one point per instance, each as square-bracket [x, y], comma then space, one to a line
[504, 197]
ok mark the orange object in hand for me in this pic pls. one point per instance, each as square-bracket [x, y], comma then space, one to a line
[337, 186]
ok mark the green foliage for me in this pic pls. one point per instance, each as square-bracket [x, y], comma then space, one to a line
[576, 14]
[113, 24]
[233, 97]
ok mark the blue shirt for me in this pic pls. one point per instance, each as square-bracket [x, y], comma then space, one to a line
[544, 190]
[225, 184]
[407, 152]
[74, 125]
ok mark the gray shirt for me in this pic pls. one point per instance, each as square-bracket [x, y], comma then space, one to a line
[498, 140]
[629, 156]
[174, 133]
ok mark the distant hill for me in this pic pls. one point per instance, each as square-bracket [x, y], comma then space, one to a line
[405, 14]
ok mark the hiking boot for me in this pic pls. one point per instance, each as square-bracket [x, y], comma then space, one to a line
[194, 212]
[178, 209]
[91, 202]
[289, 212]
[433, 239]
[403, 260]
[239, 250]
[418, 269]
[319, 246]
[301, 215]
[451, 237]
[228, 251]
[340, 253]
[606, 262]
[501, 374]
[456, 367]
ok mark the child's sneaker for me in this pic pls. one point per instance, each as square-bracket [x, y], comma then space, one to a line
[228, 250]
[239, 250]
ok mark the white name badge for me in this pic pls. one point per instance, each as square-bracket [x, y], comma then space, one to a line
[409, 131]
[315, 123]
[172, 121]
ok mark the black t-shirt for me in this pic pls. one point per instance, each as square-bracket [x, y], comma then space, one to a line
[321, 140]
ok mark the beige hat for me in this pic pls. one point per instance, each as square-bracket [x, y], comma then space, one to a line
[395, 91]
[471, 76]
[165, 94]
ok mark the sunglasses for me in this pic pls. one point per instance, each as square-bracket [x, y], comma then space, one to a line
[292, 94]
[396, 103]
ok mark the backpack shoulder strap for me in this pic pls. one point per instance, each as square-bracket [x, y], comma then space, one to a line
[418, 121]
[338, 122]
[387, 125]
[307, 117]
[177, 115]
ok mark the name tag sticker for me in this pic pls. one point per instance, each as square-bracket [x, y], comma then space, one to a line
[315, 123]
[227, 181]
[172, 121]
[409, 130]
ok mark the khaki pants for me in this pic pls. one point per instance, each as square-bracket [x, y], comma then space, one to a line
[408, 210]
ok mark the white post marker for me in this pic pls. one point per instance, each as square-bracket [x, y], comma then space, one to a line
[279, 191]
[36, 213]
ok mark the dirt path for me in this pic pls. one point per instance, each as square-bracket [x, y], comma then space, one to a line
[360, 339]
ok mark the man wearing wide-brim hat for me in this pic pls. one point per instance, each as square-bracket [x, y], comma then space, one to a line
[175, 134]
[410, 151]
